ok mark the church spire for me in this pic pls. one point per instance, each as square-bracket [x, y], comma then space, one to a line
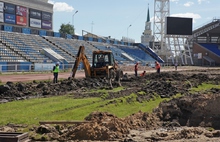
[148, 14]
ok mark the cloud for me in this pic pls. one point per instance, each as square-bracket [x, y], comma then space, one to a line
[61, 6]
[188, 4]
[200, 1]
[188, 15]
[174, 0]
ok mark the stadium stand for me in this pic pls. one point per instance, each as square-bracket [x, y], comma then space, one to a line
[149, 51]
[23, 46]
[116, 52]
[71, 46]
[7, 55]
[213, 47]
[138, 54]
[44, 42]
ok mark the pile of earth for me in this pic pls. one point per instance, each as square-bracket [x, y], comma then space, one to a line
[102, 126]
[192, 110]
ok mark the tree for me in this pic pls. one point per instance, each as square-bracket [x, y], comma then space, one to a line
[67, 29]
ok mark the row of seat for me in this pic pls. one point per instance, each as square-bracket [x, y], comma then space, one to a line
[215, 48]
[24, 46]
[29, 47]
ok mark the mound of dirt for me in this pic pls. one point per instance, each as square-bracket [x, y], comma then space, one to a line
[192, 110]
[18, 91]
[102, 126]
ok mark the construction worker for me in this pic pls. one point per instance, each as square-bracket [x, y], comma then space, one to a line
[136, 69]
[143, 73]
[101, 61]
[176, 66]
[157, 66]
[55, 72]
[125, 76]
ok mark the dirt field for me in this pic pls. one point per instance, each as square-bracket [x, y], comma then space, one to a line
[12, 77]
[192, 117]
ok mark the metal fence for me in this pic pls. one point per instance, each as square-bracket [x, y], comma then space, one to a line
[42, 67]
[37, 67]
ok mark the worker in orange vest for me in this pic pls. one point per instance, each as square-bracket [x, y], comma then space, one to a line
[157, 66]
[143, 73]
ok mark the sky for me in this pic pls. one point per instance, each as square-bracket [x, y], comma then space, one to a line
[114, 17]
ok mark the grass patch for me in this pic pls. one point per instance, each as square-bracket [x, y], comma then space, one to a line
[105, 92]
[178, 95]
[65, 108]
[204, 87]
[122, 108]
[54, 108]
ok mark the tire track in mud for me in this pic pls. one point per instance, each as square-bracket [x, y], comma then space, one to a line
[73, 107]
[112, 95]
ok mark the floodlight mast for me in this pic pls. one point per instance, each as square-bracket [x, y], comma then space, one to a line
[168, 46]
[127, 29]
[73, 17]
[161, 11]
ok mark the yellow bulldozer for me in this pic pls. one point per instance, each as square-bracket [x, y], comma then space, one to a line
[103, 66]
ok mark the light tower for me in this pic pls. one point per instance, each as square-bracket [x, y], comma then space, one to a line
[161, 11]
[174, 47]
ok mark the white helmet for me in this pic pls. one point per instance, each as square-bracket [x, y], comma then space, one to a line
[57, 63]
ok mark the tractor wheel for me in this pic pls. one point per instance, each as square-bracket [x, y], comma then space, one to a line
[119, 75]
[112, 76]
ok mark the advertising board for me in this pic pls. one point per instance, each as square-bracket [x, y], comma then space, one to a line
[49, 33]
[34, 31]
[35, 14]
[1, 6]
[21, 20]
[9, 8]
[17, 29]
[9, 18]
[21, 11]
[46, 25]
[1, 17]
[35, 23]
[46, 16]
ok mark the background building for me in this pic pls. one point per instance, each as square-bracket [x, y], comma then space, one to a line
[147, 36]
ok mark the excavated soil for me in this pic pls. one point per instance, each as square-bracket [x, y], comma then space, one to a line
[192, 117]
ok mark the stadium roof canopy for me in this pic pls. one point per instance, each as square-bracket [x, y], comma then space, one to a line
[211, 29]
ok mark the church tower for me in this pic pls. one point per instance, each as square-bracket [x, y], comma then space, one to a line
[147, 37]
